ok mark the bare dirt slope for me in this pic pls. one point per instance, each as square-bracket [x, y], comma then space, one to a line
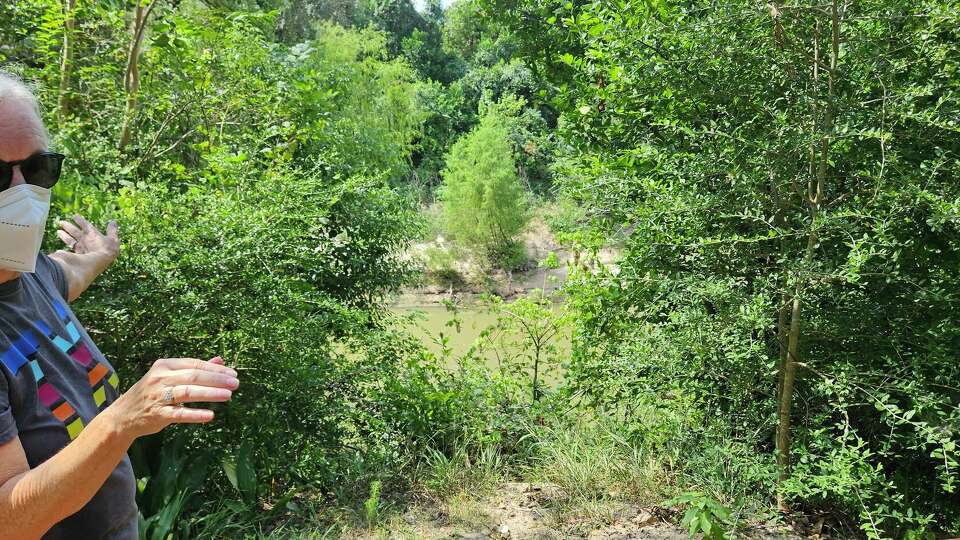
[538, 241]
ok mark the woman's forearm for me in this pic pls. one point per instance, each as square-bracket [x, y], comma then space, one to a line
[35, 500]
[80, 270]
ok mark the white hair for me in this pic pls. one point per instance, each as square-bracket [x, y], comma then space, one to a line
[12, 87]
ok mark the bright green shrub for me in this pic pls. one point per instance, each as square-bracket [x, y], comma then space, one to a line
[484, 204]
[441, 268]
[258, 222]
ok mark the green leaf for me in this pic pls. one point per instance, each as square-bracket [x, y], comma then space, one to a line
[230, 470]
[694, 523]
[705, 525]
[246, 474]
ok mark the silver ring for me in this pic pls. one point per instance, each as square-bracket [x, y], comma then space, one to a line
[168, 395]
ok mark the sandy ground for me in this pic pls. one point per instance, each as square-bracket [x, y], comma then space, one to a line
[524, 511]
[518, 511]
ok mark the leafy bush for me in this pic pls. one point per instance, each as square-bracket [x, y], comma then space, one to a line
[485, 206]
[440, 267]
[510, 256]
[703, 515]
[269, 277]
[167, 483]
[260, 221]
[528, 338]
[787, 178]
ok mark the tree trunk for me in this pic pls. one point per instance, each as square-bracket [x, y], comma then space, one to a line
[536, 376]
[819, 163]
[66, 58]
[131, 78]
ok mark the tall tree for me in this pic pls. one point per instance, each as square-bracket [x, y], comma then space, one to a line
[822, 132]
[131, 77]
[66, 57]
[484, 201]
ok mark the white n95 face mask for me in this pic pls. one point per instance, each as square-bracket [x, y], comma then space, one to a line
[23, 218]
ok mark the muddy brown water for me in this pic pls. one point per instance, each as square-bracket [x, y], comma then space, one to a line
[432, 320]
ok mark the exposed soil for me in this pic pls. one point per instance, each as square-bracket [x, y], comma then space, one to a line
[519, 511]
[523, 511]
[539, 243]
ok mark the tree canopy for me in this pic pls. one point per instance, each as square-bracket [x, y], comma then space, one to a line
[760, 203]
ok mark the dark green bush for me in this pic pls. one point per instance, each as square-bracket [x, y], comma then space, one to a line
[272, 277]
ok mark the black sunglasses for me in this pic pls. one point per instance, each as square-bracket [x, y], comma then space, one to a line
[41, 169]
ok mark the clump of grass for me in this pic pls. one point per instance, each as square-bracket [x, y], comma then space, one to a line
[463, 471]
[595, 469]
[371, 507]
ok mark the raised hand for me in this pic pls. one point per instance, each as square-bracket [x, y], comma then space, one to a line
[83, 238]
[89, 252]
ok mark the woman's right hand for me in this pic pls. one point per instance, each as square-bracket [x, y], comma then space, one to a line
[144, 408]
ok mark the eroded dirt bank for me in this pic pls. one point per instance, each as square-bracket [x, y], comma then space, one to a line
[539, 243]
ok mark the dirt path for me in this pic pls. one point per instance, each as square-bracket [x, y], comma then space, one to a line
[520, 511]
[525, 511]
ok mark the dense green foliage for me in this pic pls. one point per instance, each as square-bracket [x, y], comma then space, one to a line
[780, 330]
[264, 218]
[773, 169]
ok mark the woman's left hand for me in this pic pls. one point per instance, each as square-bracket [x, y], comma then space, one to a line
[83, 238]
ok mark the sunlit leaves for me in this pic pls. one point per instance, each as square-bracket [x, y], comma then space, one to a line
[695, 129]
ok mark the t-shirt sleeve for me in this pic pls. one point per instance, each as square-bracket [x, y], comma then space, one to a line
[8, 425]
[50, 270]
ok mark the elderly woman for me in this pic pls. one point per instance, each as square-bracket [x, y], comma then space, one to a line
[64, 426]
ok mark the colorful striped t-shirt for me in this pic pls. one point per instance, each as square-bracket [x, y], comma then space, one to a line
[53, 381]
